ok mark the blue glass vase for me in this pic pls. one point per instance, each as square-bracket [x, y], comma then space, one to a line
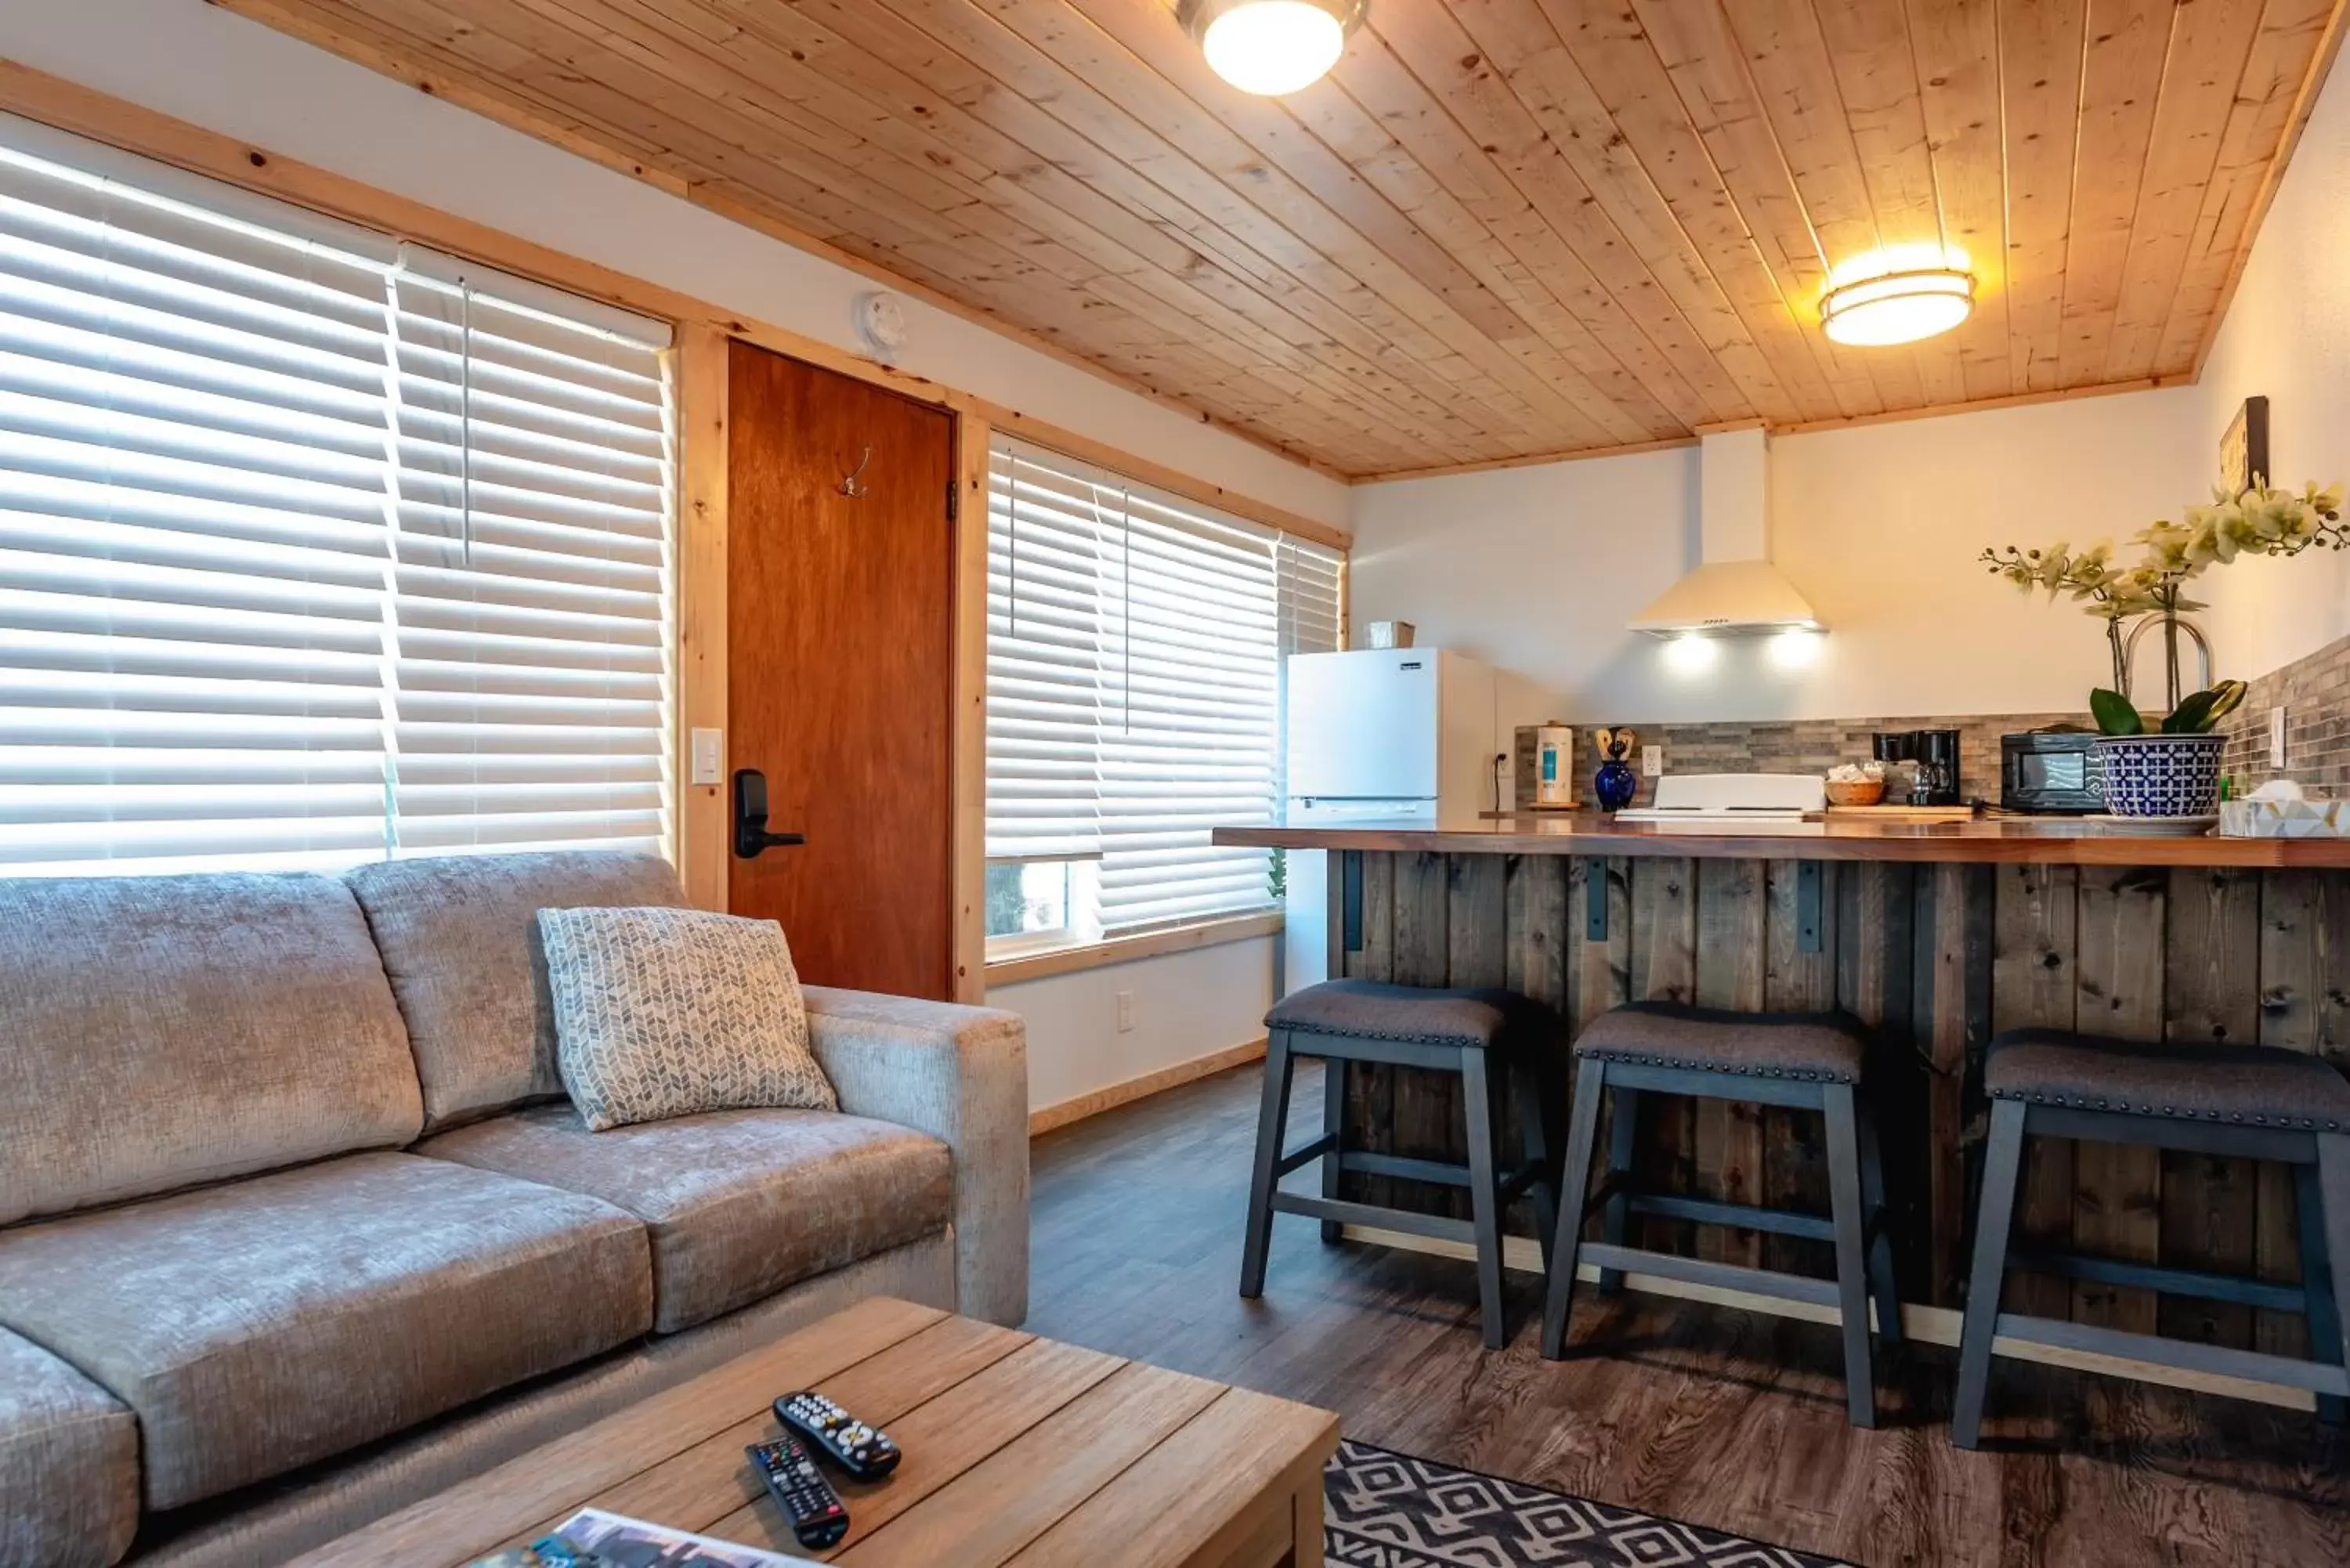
[1615, 784]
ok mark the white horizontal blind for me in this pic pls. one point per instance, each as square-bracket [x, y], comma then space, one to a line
[530, 584]
[1134, 681]
[226, 637]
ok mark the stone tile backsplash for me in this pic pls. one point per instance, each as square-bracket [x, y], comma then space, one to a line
[2314, 691]
[1813, 746]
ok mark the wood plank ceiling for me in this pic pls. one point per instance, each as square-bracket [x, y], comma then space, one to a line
[1500, 228]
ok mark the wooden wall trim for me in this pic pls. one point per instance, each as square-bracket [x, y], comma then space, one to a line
[1069, 443]
[1128, 949]
[85, 111]
[969, 737]
[700, 361]
[1126, 1091]
[1805, 427]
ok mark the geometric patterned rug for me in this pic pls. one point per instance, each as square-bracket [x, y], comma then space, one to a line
[1393, 1511]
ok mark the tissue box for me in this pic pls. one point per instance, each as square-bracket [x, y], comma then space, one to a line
[2284, 819]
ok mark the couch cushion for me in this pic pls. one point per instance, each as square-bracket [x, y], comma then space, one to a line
[1427, 1015]
[2260, 1086]
[740, 1203]
[460, 940]
[1822, 1046]
[161, 1031]
[68, 1463]
[671, 1013]
[257, 1327]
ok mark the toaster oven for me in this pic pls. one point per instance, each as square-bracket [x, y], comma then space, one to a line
[2051, 770]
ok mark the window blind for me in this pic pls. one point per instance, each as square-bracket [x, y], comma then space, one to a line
[314, 547]
[1135, 647]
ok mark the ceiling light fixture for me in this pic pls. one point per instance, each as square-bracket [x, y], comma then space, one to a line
[1897, 295]
[1272, 46]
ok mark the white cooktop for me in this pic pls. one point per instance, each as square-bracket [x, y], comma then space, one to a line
[1759, 802]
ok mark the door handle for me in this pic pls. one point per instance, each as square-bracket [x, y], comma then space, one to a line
[750, 835]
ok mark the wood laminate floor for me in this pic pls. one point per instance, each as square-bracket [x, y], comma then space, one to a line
[1722, 1418]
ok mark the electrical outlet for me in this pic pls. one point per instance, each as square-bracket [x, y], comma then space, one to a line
[2276, 736]
[1125, 1012]
[709, 756]
[1652, 760]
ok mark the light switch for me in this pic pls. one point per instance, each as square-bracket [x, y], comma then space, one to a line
[1652, 760]
[1125, 1012]
[2276, 736]
[709, 756]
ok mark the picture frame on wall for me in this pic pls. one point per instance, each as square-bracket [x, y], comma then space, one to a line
[2244, 448]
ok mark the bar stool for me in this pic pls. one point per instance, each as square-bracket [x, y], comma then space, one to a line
[1808, 1061]
[1462, 1031]
[2252, 1102]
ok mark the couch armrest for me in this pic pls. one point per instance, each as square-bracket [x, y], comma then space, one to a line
[960, 1074]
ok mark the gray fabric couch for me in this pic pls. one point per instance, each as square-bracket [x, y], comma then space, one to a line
[295, 1226]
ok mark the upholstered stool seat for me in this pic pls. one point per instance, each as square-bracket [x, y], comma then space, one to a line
[1374, 1009]
[2257, 1085]
[1822, 1048]
[1494, 1040]
[1800, 1060]
[2239, 1102]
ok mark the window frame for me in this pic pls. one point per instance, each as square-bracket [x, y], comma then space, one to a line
[1010, 959]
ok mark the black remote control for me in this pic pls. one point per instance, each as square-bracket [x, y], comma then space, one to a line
[799, 1489]
[866, 1454]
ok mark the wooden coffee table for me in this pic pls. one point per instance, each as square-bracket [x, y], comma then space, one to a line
[1019, 1450]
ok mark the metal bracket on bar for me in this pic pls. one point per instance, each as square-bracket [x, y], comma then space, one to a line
[1595, 885]
[1350, 873]
[1807, 907]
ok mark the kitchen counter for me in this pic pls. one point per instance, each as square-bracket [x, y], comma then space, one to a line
[1986, 841]
[1935, 937]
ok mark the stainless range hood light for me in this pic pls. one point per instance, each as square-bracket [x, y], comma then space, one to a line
[1735, 591]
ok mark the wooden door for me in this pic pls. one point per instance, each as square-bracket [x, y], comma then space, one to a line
[840, 668]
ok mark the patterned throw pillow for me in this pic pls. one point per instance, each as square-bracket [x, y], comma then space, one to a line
[664, 1013]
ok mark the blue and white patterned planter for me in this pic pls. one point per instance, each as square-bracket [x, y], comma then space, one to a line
[2162, 775]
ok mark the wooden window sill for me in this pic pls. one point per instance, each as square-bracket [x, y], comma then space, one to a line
[1126, 950]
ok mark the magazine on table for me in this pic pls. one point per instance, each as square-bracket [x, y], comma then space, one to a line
[594, 1539]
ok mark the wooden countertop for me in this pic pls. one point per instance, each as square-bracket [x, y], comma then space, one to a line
[1990, 840]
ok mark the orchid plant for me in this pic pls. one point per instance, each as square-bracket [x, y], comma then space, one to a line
[2256, 521]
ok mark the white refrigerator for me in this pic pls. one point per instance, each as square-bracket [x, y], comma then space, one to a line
[1377, 735]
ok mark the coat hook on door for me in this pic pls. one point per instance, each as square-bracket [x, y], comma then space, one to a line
[854, 486]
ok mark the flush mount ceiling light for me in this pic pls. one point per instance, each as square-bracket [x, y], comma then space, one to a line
[1897, 295]
[1270, 47]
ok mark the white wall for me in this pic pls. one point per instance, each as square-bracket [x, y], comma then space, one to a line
[206, 66]
[1186, 1004]
[2287, 337]
[1537, 569]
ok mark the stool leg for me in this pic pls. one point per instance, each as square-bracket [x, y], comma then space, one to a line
[1851, 1251]
[1334, 1126]
[1533, 1145]
[1995, 1213]
[1575, 1188]
[1882, 1285]
[1271, 1130]
[2325, 1260]
[1484, 1193]
[1623, 1140]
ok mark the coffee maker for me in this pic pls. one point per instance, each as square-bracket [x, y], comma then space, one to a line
[1931, 758]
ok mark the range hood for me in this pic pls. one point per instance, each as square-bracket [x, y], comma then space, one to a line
[1735, 590]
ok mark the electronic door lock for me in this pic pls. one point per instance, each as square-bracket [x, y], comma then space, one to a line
[750, 835]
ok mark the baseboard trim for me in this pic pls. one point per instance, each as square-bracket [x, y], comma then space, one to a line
[1928, 1324]
[1126, 1091]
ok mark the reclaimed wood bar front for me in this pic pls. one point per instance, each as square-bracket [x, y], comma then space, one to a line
[1936, 936]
